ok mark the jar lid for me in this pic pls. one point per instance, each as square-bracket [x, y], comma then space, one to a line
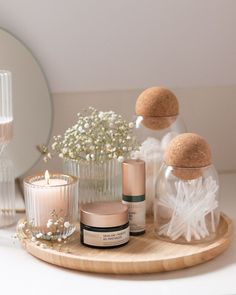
[133, 177]
[104, 214]
[187, 153]
[188, 150]
[157, 102]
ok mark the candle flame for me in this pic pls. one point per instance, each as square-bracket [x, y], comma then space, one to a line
[47, 176]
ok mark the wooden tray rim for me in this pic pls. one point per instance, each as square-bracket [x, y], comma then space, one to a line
[219, 245]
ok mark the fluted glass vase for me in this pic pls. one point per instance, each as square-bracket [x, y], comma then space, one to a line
[7, 192]
[96, 181]
[6, 116]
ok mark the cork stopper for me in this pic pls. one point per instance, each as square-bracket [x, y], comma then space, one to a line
[158, 123]
[157, 102]
[190, 151]
[157, 105]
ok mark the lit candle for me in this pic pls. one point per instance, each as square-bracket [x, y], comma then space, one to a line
[46, 181]
[48, 197]
[51, 204]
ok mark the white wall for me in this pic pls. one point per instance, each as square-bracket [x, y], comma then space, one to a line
[93, 51]
[209, 111]
[91, 45]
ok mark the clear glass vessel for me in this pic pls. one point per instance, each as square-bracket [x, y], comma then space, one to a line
[6, 117]
[154, 135]
[96, 181]
[7, 192]
[186, 206]
[51, 206]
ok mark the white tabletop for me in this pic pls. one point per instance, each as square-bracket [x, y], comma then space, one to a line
[20, 272]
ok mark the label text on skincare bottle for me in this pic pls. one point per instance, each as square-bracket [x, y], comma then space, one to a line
[137, 213]
[106, 239]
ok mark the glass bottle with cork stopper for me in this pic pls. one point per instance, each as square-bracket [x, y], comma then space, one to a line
[187, 192]
[157, 122]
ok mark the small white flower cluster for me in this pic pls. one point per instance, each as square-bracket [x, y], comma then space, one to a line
[97, 136]
[43, 149]
[56, 225]
[46, 239]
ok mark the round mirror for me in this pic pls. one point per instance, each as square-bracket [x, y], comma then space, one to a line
[32, 105]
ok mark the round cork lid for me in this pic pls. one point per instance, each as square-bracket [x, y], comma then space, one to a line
[158, 123]
[157, 102]
[188, 150]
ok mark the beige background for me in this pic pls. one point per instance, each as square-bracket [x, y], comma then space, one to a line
[97, 45]
[93, 51]
[209, 111]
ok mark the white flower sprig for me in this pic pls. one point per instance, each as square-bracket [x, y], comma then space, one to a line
[53, 236]
[97, 136]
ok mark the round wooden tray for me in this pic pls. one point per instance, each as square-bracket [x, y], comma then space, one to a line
[143, 254]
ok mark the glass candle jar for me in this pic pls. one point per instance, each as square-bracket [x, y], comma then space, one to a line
[154, 134]
[6, 117]
[187, 204]
[51, 205]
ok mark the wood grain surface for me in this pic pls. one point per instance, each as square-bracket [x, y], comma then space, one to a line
[143, 254]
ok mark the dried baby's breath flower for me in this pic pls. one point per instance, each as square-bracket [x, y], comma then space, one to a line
[97, 136]
[39, 235]
[66, 224]
[49, 239]
[120, 159]
[43, 149]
